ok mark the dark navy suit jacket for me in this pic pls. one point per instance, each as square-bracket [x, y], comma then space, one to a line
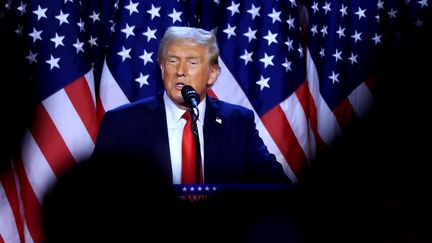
[136, 133]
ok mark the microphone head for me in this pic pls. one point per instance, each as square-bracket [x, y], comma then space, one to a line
[190, 96]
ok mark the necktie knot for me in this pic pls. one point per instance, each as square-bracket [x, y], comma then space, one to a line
[186, 116]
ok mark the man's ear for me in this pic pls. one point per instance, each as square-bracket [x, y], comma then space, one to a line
[214, 73]
[161, 68]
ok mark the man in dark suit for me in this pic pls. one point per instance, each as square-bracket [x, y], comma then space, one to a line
[152, 128]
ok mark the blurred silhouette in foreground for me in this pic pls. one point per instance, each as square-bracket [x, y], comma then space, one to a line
[110, 199]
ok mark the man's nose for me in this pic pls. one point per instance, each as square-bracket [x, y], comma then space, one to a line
[182, 69]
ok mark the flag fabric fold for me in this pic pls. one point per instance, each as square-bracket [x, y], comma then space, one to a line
[64, 123]
[346, 42]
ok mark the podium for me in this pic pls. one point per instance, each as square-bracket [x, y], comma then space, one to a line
[240, 212]
[200, 192]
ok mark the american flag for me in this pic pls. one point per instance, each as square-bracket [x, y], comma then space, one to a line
[262, 66]
[418, 15]
[92, 56]
[345, 45]
[64, 124]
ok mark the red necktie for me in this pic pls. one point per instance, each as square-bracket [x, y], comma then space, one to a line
[188, 175]
[188, 152]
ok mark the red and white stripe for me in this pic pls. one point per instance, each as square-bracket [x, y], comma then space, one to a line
[110, 93]
[63, 133]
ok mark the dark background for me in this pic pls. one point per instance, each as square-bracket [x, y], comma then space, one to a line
[16, 95]
[374, 184]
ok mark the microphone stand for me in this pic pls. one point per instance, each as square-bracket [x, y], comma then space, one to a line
[195, 114]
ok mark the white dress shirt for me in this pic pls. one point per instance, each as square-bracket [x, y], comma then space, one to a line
[175, 125]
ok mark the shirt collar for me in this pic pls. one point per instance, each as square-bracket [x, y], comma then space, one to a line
[174, 112]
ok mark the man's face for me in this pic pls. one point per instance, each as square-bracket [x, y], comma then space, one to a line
[186, 63]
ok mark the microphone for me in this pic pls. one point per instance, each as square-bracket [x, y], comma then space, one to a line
[191, 98]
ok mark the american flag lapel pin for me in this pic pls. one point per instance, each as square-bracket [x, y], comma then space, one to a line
[218, 120]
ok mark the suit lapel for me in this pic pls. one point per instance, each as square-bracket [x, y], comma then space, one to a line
[158, 134]
[213, 135]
